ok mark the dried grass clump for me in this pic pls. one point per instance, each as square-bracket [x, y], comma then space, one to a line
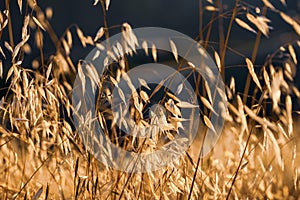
[42, 156]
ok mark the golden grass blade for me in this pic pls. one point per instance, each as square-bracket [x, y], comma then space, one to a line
[242, 116]
[96, 2]
[145, 47]
[218, 60]
[268, 4]
[120, 49]
[208, 91]
[144, 83]
[267, 80]
[112, 55]
[49, 71]
[69, 38]
[191, 65]
[144, 96]
[10, 72]
[113, 80]
[244, 25]
[39, 39]
[97, 54]
[2, 53]
[283, 2]
[207, 104]
[287, 18]
[173, 96]
[260, 120]
[179, 88]
[66, 47]
[282, 131]
[107, 2]
[1, 69]
[99, 34]
[8, 47]
[260, 22]
[184, 104]
[174, 50]
[290, 21]
[275, 145]
[82, 78]
[154, 52]
[209, 124]
[252, 73]
[122, 96]
[38, 23]
[172, 107]
[232, 85]
[211, 8]
[288, 102]
[20, 5]
[81, 37]
[293, 54]
[18, 47]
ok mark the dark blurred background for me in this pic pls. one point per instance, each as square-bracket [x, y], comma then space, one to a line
[179, 15]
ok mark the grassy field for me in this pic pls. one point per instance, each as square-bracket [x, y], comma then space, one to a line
[43, 157]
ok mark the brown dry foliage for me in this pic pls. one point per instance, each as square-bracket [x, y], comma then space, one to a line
[257, 155]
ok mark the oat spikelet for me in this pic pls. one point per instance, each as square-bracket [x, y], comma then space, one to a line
[209, 124]
[154, 52]
[184, 104]
[82, 78]
[81, 37]
[275, 146]
[232, 85]
[2, 53]
[293, 54]
[144, 96]
[145, 47]
[218, 60]
[144, 83]
[107, 2]
[20, 5]
[179, 88]
[268, 4]
[99, 34]
[208, 91]
[260, 22]
[174, 50]
[1, 69]
[38, 23]
[211, 8]
[267, 80]
[288, 102]
[207, 104]
[252, 73]
[8, 47]
[283, 2]
[121, 94]
[242, 115]
[244, 25]
[291, 21]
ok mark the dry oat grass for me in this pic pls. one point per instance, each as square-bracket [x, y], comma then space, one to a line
[42, 157]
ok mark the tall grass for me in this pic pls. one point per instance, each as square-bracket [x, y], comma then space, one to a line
[43, 157]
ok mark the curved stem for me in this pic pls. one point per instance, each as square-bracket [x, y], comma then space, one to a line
[223, 53]
[253, 58]
[10, 30]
